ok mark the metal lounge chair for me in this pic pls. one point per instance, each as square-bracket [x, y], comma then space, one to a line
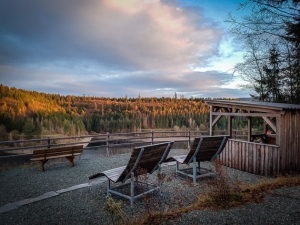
[205, 148]
[143, 160]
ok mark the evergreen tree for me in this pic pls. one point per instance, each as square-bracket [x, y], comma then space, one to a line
[293, 68]
[28, 128]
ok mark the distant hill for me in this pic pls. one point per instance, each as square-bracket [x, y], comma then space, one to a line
[32, 114]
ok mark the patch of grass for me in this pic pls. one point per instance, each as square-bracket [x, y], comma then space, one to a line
[159, 218]
[249, 194]
[115, 211]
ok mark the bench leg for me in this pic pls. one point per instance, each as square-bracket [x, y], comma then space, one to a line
[42, 163]
[71, 160]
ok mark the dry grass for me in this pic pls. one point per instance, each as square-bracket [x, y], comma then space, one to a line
[115, 211]
[225, 193]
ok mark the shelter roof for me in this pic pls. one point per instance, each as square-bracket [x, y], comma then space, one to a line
[253, 105]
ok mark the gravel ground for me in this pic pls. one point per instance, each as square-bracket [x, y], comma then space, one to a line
[85, 205]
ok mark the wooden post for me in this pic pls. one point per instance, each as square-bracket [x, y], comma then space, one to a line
[279, 130]
[230, 126]
[152, 137]
[211, 132]
[249, 128]
[48, 142]
[189, 139]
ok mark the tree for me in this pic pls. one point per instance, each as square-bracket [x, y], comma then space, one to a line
[66, 126]
[268, 21]
[3, 133]
[272, 24]
[273, 78]
[28, 128]
[251, 70]
[39, 130]
[293, 68]
[268, 85]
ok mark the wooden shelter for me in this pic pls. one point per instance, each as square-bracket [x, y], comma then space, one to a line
[277, 152]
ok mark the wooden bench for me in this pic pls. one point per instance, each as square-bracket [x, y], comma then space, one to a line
[69, 152]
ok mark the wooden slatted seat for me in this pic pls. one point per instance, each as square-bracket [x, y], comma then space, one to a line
[203, 149]
[69, 152]
[143, 160]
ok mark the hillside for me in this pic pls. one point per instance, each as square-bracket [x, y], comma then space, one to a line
[34, 114]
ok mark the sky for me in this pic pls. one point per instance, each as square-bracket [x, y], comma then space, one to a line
[119, 48]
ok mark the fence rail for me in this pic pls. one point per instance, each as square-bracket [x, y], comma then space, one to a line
[108, 140]
[252, 157]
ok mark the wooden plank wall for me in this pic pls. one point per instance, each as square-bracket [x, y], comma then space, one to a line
[290, 142]
[256, 158]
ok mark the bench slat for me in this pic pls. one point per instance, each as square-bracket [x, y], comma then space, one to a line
[54, 157]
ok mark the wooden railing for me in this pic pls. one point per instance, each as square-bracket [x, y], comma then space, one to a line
[252, 157]
[256, 158]
[107, 141]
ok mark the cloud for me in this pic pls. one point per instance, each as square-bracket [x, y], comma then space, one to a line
[107, 47]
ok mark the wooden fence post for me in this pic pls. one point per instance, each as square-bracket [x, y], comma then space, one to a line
[189, 139]
[152, 137]
[48, 142]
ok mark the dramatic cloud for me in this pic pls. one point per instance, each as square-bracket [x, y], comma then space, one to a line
[110, 48]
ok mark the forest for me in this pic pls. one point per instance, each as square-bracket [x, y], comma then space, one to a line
[26, 114]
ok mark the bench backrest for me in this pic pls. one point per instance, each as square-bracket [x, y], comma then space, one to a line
[146, 159]
[57, 151]
[206, 148]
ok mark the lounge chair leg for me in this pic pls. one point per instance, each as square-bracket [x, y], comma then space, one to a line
[177, 166]
[159, 180]
[108, 187]
[194, 170]
[132, 188]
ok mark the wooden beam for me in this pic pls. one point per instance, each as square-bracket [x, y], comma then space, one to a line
[216, 120]
[245, 114]
[215, 109]
[241, 105]
[265, 127]
[270, 123]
